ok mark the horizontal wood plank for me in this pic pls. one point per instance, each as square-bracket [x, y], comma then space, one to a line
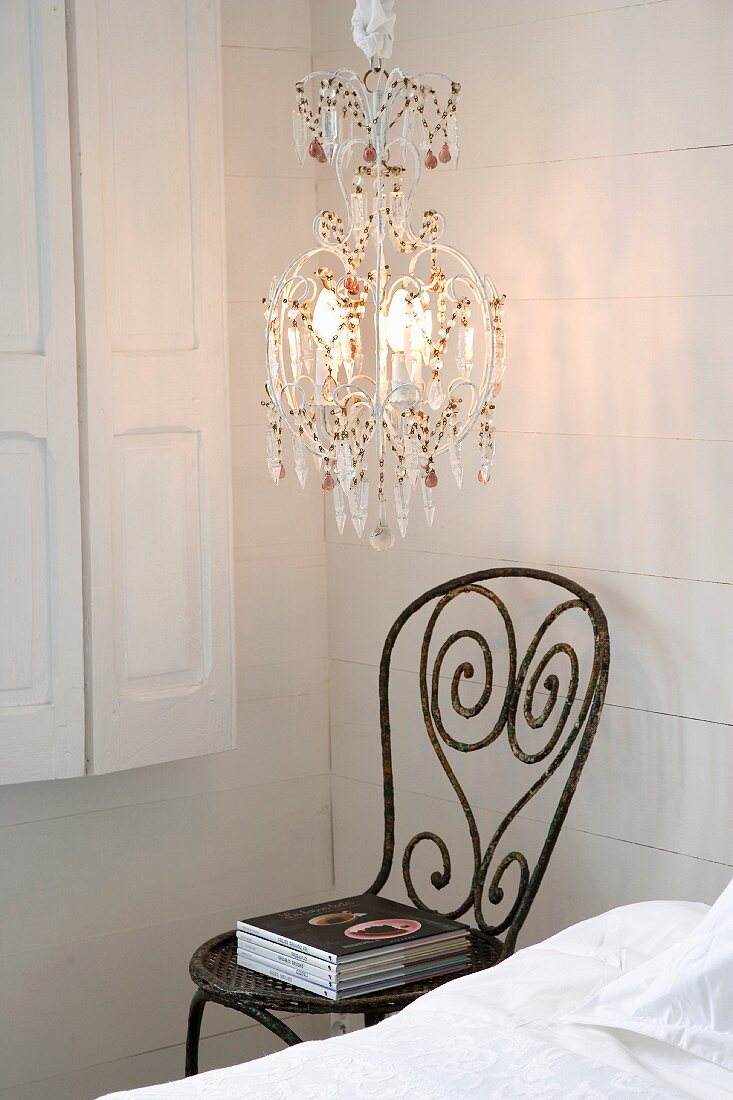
[549, 90]
[669, 638]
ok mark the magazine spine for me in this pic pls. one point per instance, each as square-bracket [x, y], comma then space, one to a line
[290, 979]
[311, 974]
[292, 945]
[283, 956]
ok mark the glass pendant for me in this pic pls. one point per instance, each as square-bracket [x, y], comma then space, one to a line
[273, 455]
[412, 460]
[329, 126]
[300, 459]
[464, 352]
[381, 537]
[428, 503]
[397, 208]
[358, 210]
[344, 464]
[402, 492]
[339, 510]
[454, 453]
[309, 353]
[436, 394]
[359, 503]
[300, 140]
[296, 351]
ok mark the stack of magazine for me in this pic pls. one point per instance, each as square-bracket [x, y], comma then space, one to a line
[353, 946]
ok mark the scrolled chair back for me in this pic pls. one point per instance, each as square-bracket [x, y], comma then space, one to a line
[546, 717]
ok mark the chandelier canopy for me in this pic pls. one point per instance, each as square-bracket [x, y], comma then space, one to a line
[384, 346]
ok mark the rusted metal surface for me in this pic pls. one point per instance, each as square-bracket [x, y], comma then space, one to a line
[561, 741]
[214, 968]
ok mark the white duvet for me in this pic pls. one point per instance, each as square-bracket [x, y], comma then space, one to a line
[500, 1035]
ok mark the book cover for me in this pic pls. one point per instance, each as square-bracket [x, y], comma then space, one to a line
[337, 930]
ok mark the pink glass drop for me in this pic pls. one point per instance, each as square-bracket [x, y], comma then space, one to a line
[484, 475]
[328, 483]
[315, 149]
[431, 161]
[370, 154]
[322, 158]
[431, 478]
[281, 475]
[444, 154]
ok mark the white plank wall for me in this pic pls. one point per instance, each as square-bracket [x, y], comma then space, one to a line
[110, 882]
[594, 187]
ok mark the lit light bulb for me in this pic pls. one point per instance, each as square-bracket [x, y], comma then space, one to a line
[396, 321]
[327, 316]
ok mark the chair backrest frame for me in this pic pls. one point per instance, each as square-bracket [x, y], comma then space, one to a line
[582, 733]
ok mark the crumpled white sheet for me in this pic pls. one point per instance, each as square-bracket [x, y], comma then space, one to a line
[493, 1034]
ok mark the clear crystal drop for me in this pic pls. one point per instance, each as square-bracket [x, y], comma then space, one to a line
[358, 211]
[339, 509]
[408, 123]
[397, 208]
[428, 504]
[296, 351]
[412, 461]
[299, 136]
[273, 455]
[329, 126]
[317, 461]
[454, 453]
[358, 503]
[464, 352]
[380, 206]
[344, 464]
[402, 491]
[274, 362]
[436, 394]
[381, 537]
[300, 459]
[484, 471]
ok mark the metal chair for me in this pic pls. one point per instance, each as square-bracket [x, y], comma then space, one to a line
[571, 706]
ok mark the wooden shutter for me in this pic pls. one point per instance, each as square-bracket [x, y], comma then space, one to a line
[155, 435]
[41, 667]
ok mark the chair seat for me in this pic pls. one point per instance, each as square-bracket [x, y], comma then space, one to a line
[215, 971]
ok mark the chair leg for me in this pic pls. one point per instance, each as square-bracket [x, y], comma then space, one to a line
[277, 1027]
[372, 1018]
[195, 1014]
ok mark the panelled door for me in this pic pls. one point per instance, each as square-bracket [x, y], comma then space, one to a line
[155, 438]
[41, 658]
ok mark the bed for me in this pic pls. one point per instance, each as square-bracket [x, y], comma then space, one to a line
[518, 1030]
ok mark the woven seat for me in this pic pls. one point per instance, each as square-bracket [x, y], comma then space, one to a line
[560, 720]
[214, 969]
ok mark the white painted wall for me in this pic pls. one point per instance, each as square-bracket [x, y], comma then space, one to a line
[594, 186]
[110, 882]
[584, 190]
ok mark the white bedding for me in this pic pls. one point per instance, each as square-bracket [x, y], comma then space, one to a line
[499, 1034]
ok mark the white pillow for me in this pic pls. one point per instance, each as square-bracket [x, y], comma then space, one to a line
[683, 996]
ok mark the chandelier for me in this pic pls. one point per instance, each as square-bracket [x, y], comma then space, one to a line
[384, 346]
